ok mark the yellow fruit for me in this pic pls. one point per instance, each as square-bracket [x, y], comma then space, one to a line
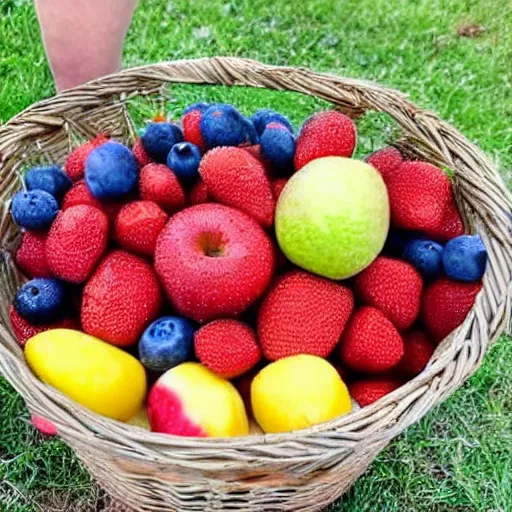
[190, 400]
[298, 392]
[93, 373]
[140, 419]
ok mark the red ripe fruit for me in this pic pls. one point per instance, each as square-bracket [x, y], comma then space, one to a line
[328, 133]
[214, 261]
[303, 314]
[277, 187]
[255, 151]
[31, 255]
[191, 126]
[23, 330]
[367, 391]
[44, 426]
[418, 351]
[371, 343]
[159, 184]
[76, 241]
[227, 347]
[235, 178]
[446, 304]
[121, 299]
[386, 161]
[451, 225]
[199, 194]
[419, 195]
[75, 163]
[138, 225]
[140, 154]
[394, 287]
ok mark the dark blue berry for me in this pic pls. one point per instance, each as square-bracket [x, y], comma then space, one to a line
[111, 171]
[183, 160]
[51, 179]
[426, 256]
[251, 135]
[278, 147]
[223, 125]
[34, 209]
[396, 241]
[465, 258]
[265, 116]
[159, 138]
[42, 300]
[196, 106]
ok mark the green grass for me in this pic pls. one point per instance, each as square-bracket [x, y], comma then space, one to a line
[459, 458]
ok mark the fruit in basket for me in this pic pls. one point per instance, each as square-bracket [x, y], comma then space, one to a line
[392, 286]
[158, 139]
[370, 343]
[418, 350]
[278, 147]
[446, 304]
[213, 261]
[191, 124]
[386, 161]
[31, 254]
[278, 186]
[75, 162]
[140, 154]
[324, 134]
[91, 372]
[426, 256]
[111, 171]
[120, 299]
[34, 209]
[158, 184]
[465, 258]
[450, 227]
[44, 426]
[190, 400]
[237, 179]
[367, 391]
[298, 392]
[199, 194]
[183, 160]
[332, 217]
[76, 242]
[140, 419]
[303, 314]
[41, 300]
[264, 116]
[51, 179]
[227, 347]
[223, 125]
[166, 343]
[138, 225]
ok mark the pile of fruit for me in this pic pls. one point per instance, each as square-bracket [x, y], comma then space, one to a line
[227, 276]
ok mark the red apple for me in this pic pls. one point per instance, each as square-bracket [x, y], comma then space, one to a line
[213, 261]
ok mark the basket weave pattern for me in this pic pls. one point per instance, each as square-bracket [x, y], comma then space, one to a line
[299, 471]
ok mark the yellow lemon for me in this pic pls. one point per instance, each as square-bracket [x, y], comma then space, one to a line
[95, 374]
[298, 392]
[190, 400]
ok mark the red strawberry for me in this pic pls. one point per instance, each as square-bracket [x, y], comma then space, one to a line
[228, 347]
[303, 314]
[446, 304]
[255, 151]
[75, 163]
[190, 124]
[328, 133]
[367, 391]
[80, 194]
[138, 225]
[419, 194]
[44, 426]
[371, 344]
[394, 287]
[31, 255]
[386, 161]
[235, 178]
[76, 241]
[199, 194]
[23, 330]
[277, 186]
[158, 183]
[140, 154]
[121, 299]
[418, 351]
[451, 225]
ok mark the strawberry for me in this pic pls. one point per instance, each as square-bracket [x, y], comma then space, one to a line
[418, 351]
[451, 226]
[31, 254]
[191, 125]
[199, 194]
[367, 391]
[75, 163]
[277, 186]
[386, 161]
[140, 154]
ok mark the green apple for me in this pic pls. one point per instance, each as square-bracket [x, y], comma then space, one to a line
[332, 217]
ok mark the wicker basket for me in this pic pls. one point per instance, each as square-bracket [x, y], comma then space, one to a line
[298, 471]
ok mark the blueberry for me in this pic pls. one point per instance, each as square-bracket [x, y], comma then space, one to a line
[167, 342]
[196, 106]
[278, 147]
[465, 258]
[264, 116]
[223, 125]
[159, 138]
[251, 135]
[396, 241]
[41, 300]
[183, 160]
[426, 256]
[111, 171]
[34, 209]
[51, 179]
